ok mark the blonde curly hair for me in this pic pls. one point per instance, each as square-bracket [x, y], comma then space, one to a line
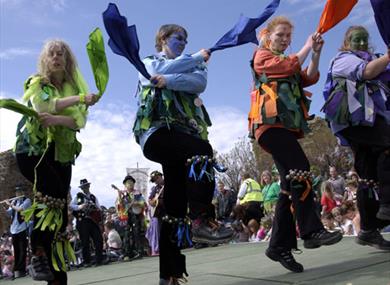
[70, 61]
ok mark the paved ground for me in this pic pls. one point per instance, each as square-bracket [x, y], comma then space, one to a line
[245, 264]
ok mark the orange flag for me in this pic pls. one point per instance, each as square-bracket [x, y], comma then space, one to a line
[334, 12]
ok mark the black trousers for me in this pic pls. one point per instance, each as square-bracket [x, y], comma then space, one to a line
[172, 149]
[19, 242]
[134, 237]
[371, 148]
[288, 154]
[53, 179]
[88, 230]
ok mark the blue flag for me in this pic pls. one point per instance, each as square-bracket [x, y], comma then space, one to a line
[382, 17]
[123, 39]
[244, 31]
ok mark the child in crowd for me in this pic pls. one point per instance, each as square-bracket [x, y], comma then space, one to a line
[338, 217]
[328, 221]
[350, 190]
[351, 218]
[265, 228]
[114, 241]
[328, 201]
[254, 231]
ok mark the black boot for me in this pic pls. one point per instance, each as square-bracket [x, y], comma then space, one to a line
[39, 269]
[285, 258]
[322, 237]
[203, 233]
[373, 238]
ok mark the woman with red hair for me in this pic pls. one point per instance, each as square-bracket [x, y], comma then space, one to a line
[278, 115]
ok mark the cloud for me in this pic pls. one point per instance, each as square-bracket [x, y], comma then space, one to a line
[41, 13]
[363, 14]
[12, 53]
[56, 5]
[229, 124]
[305, 7]
[109, 146]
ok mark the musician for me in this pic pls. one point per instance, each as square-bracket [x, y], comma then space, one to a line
[157, 211]
[19, 230]
[131, 203]
[87, 211]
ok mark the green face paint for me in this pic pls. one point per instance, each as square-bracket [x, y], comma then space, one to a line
[359, 40]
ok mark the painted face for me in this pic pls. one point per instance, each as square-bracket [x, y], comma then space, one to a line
[56, 58]
[359, 40]
[280, 38]
[129, 184]
[175, 44]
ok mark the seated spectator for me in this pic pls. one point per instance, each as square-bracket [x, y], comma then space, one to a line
[328, 221]
[6, 256]
[351, 218]
[265, 228]
[253, 227]
[350, 190]
[114, 242]
[338, 217]
[327, 198]
[241, 233]
[352, 175]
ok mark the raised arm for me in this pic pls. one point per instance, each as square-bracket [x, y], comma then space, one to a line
[376, 66]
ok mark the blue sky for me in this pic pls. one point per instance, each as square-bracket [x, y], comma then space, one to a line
[108, 145]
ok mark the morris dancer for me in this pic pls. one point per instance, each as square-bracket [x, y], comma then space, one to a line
[277, 119]
[358, 109]
[58, 93]
[171, 128]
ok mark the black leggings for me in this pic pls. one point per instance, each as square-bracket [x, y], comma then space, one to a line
[172, 149]
[53, 179]
[371, 148]
[288, 154]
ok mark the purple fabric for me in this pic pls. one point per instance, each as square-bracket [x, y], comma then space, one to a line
[365, 55]
[382, 17]
[378, 101]
[123, 39]
[331, 108]
[244, 31]
[385, 75]
[358, 115]
[152, 235]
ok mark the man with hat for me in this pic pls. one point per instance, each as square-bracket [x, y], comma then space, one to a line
[87, 211]
[19, 230]
[131, 204]
[157, 211]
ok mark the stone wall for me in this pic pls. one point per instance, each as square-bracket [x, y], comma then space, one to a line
[10, 177]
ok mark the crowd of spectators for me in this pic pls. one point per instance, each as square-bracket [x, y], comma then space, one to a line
[249, 211]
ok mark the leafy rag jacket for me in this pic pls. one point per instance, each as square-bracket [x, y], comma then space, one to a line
[173, 107]
[32, 137]
[278, 100]
[352, 100]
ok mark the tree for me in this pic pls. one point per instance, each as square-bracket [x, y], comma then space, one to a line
[240, 159]
[320, 146]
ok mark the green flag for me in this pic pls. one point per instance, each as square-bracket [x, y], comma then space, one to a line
[13, 105]
[98, 60]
